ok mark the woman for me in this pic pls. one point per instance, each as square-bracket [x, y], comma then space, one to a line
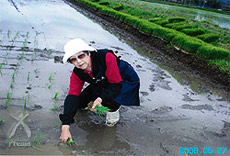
[112, 83]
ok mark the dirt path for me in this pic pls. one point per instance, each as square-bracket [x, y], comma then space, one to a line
[178, 108]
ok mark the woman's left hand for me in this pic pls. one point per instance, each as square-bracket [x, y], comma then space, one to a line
[96, 102]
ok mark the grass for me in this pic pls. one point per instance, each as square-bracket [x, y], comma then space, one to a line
[224, 65]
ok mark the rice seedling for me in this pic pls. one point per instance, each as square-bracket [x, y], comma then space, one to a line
[24, 45]
[8, 95]
[36, 148]
[99, 110]
[15, 37]
[25, 42]
[70, 142]
[36, 141]
[36, 42]
[28, 76]
[8, 34]
[21, 56]
[36, 71]
[50, 78]
[25, 102]
[7, 102]
[49, 52]
[1, 65]
[50, 85]
[27, 35]
[54, 108]
[13, 75]
[56, 96]
[2, 121]
[12, 85]
[33, 57]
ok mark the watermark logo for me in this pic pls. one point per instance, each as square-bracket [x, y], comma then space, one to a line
[20, 143]
[20, 121]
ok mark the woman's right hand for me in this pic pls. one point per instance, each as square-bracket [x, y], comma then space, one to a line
[65, 133]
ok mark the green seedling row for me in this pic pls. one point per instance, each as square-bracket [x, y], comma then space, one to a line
[180, 38]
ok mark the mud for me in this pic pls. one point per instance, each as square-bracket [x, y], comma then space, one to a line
[180, 105]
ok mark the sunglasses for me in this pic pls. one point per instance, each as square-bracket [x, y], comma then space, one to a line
[74, 58]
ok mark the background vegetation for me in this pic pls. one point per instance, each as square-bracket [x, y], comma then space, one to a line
[203, 39]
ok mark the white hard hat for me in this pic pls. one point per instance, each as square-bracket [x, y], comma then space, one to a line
[75, 46]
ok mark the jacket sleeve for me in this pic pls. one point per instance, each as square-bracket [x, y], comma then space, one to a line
[72, 100]
[76, 85]
[114, 79]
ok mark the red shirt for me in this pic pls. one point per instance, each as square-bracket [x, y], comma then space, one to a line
[112, 74]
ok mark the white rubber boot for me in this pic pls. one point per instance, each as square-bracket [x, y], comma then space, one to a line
[112, 118]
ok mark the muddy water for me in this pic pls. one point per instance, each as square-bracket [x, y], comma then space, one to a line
[176, 111]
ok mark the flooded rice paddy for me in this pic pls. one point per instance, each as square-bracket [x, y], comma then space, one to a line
[176, 110]
[221, 20]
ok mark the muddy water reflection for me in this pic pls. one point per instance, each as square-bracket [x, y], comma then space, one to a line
[172, 114]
